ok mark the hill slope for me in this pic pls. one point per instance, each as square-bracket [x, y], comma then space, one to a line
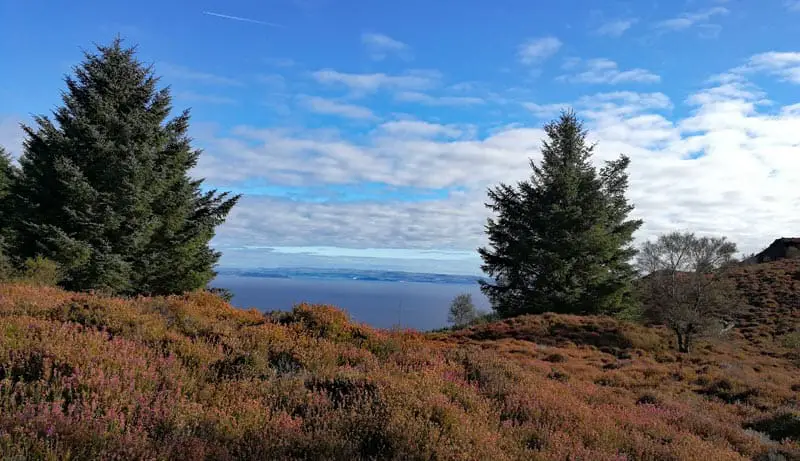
[773, 292]
[86, 377]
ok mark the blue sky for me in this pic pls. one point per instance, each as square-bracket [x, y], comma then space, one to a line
[365, 134]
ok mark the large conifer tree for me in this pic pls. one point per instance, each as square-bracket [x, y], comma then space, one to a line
[8, 174]
[561, 241]
[104, 187]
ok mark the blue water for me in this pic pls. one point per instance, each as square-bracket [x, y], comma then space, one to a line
[422, 306]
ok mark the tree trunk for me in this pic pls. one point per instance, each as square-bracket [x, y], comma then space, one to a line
[683, 341]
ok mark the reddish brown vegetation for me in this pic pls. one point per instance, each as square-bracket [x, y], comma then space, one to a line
[773, 293]
[189, 377]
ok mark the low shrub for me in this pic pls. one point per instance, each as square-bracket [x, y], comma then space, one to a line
[791, 340]
[784, 425]
[41, 271]
[555, 358]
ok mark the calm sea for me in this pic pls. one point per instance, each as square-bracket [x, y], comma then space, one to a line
[422, 306]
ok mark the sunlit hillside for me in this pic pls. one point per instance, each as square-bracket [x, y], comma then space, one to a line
[91, 377]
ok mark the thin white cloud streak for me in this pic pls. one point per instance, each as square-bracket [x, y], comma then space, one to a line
[418, 129]
[607, 71]
[330, 107]
[380, 46]
[545, 110]
[241, 19]
[370, 83]
[687, 20]
[426, 99]
[616, 28]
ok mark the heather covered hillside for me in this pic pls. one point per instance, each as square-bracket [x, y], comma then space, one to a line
[772, 291]
[189, 377]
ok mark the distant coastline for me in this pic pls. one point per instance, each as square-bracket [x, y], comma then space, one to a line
[351, 274]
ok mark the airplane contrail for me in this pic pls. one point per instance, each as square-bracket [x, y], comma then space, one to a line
[237, 18]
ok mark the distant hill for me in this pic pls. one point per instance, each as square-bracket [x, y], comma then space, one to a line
[352, 274]
[772, 290]
[782, 248]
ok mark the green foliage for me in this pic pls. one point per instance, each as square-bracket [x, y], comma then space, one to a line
[630, 313]
[791, 340]
[104, 187]
[8, 175]
[462, 310]
[793, 253]
[784, 425]
[561, 241]
[6, 269]
[41, 271]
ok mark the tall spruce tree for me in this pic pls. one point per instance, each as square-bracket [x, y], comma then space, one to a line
[561, 241]
[8, 174]
[104, 188]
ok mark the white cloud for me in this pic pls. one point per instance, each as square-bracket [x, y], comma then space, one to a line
[625, 102]
[544, 110]
[536, 50]
[379, 46]
[785, 65]
[791, 110]
[370, 83]
[607, 71]
[616, 27]
[310, 157]
[792, 5]
[422, 98]
[687, 20]
[418, 129]
[463, 86]
[746, 170]
[436, 224]
[330, 107]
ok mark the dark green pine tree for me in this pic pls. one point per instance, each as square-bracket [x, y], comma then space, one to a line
[178, 257]
[104, 187]
[8, 174]
[561, 241]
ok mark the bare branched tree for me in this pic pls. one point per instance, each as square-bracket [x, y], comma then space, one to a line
[685, 288]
